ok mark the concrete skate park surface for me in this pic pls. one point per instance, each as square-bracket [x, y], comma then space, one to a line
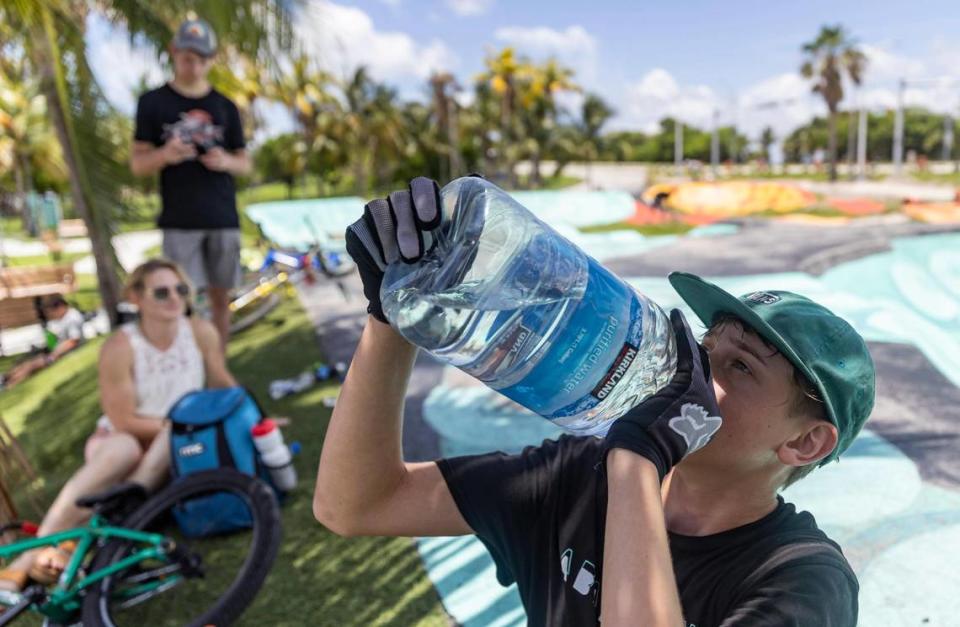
[893, 501]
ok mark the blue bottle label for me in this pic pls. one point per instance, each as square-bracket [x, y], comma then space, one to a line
[584, 362]
[615, 372]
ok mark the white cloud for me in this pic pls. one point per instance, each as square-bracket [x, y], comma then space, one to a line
[658, 95]
[341, 38]
[573, 46]
[785, 101]
[545, 40]
[118, 65]
[930, 81]
[469, 7]
[782, 102]
[885, 65]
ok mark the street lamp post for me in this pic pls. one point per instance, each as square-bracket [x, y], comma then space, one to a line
[715, 143]
[947, 137]
[898, 131]
[862, 144]
[678, 146]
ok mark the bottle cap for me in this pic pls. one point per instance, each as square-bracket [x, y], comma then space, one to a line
[262, 428]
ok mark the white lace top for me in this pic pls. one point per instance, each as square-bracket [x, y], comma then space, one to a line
[161, 377]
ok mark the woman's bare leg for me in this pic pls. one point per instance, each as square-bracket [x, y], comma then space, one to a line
[110, 462]
[154, 468]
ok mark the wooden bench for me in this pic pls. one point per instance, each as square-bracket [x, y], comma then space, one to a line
[72, 228]
[37, 281]
[22, 291]
[19, 312]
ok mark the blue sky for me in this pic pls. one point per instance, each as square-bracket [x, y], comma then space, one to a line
[692, 59]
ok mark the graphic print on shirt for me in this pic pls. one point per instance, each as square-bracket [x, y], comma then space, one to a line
[195, 127]
[695, 426]
[566, 558]
[586, 577]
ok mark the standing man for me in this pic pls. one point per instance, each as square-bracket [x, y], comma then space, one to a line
[192, 135]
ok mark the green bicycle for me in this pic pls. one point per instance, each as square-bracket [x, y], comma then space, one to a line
[124, 574]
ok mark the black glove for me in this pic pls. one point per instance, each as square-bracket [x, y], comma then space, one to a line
[680, 418]
[398, 227]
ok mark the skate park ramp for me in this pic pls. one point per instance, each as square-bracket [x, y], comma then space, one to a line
[896, 519]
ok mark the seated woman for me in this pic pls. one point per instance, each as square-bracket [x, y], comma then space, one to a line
[65, 324]
[145, 367]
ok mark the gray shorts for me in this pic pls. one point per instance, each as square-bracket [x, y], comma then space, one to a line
[210, 257]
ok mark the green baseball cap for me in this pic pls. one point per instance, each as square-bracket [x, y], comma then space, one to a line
[822, 345]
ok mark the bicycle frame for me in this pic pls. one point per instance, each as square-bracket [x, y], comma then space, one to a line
[64, 600]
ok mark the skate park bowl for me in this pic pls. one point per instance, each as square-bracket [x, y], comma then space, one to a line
[899, 530]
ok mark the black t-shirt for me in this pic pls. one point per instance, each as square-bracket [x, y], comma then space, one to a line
[193, 196]
[541, 514]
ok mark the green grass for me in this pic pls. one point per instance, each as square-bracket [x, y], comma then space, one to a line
[929, 177]
[318, 578]
[12, 226]
[44, 260]
[668, 228]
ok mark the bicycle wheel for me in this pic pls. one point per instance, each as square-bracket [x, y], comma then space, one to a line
[202, 581]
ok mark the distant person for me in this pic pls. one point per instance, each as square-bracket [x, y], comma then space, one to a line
[64, 333]
[145, 367]
[192, 135]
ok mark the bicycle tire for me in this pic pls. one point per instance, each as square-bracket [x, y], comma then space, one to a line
[251, 575]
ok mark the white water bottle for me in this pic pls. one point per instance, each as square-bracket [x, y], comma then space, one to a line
[274, 454]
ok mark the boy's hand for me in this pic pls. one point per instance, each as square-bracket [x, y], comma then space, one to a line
[680, 418]
[398, 227]
[216, 159]
[177, 151]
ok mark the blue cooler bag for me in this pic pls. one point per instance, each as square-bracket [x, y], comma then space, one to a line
[211, 429]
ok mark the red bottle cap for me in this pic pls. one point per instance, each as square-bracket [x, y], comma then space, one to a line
[263, 427]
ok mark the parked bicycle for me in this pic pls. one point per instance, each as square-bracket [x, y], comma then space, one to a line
[125, 573]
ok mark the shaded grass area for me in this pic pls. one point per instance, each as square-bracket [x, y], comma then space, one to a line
[318, 578]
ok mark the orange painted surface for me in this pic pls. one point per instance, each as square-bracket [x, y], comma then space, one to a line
[933, 212]
[646, 214]
[857, 206]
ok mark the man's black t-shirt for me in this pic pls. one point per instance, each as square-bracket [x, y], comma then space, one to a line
[193, 196]
[541, 514]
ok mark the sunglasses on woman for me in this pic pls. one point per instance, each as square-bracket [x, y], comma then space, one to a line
[163, 293]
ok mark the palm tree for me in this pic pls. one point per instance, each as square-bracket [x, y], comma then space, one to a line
[443, 86]
[539, 105]
[767, 138]
[51, 33]
[504, 71]
[594, 113]
[386, 133]
[830, 58]
[27, 141]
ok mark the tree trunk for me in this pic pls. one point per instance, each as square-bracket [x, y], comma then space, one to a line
[851, 139]
[535, 179]
[20, 190]
[559, 167]
[54, 89]
[453, 140]
[832, 146]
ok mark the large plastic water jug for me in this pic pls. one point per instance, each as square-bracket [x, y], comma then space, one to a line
[508, 300]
